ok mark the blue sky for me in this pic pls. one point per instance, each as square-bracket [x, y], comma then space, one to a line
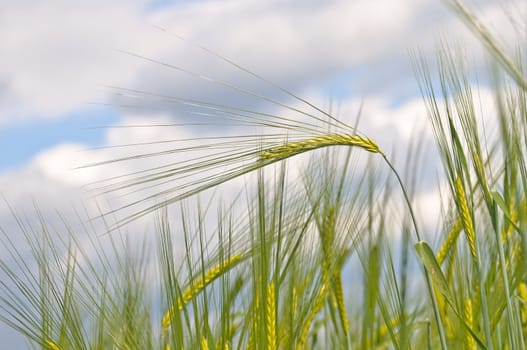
[57, 59]
[26, 139]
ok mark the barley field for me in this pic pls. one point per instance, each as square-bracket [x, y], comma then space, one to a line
[332, 256]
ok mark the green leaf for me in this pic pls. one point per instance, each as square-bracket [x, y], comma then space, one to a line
[430, 263]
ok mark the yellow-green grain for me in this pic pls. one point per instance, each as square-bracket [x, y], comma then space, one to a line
[317, 306]
[470, 343]
[522, 293]
[197, 287]
[293, 148]
[465, 217]
[339, 296]
[204, 344]
[51, 345]
[449, 241]
[271, 317]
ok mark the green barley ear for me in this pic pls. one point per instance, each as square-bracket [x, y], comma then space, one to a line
[449, 241]
[204, 344]
[469, 319]
[293, 148]
[271, 317]
[522, 295]
[318, 304]
[198, 286]
[466, 218]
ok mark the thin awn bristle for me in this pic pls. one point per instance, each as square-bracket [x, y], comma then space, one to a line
[290, 149]
[197, 287]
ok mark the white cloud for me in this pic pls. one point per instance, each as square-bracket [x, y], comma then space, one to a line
[55, 58]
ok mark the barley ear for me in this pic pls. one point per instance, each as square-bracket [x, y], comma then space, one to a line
[317, 306]
[469, 318]
[51, 345]
[449, 241]
[293, 148]
[465, 217]
[271, 318]
[197, 287]
[204, 344]
[522, 291]
[339, 295]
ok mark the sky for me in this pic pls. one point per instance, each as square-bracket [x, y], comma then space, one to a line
[60, 60]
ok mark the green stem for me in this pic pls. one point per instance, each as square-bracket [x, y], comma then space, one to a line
[437, 314]
[406, 197]
[503, 268]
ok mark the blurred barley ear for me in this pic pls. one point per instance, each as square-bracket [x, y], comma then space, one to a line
[51, 345]
[197, 287]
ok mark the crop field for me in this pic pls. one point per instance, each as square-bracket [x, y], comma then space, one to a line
[331, 254]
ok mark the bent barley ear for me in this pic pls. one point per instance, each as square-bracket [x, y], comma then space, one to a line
[449, 242]
[197, 287]
[290, 149]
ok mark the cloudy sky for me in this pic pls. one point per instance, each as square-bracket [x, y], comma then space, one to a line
[60, 58]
